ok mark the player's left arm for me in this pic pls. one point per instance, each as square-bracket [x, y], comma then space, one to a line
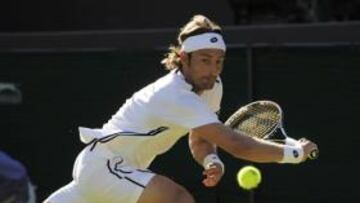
[205, 154]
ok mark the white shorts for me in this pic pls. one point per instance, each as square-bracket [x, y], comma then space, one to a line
[100, 176]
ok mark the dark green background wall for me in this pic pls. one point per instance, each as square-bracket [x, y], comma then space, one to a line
[318, 87]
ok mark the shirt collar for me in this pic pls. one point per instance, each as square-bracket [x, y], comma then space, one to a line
[179, 75]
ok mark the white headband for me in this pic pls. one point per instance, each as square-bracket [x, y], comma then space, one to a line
[209, 40]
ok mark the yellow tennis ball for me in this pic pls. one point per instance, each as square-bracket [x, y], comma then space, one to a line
[249, 177]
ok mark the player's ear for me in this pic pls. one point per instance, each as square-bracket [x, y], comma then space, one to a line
[184, 58]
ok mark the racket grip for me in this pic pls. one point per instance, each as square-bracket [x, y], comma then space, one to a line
[314, 154]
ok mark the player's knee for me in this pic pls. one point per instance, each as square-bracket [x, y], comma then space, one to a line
[164, 190]
[178, 194]
[183, 196]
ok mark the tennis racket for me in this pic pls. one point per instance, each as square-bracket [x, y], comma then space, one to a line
[264, 120]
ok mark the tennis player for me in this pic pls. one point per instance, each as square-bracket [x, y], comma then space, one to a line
[113, 166]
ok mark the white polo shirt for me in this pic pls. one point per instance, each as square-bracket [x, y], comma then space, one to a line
[155, 117]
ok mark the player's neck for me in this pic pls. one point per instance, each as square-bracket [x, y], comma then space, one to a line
[197, 91]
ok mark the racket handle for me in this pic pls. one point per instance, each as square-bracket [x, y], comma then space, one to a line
[314, 154]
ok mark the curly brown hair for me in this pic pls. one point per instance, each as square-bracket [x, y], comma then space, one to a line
[198, 24]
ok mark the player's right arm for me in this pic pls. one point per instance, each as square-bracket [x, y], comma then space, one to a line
[245, 147]
[188, 110]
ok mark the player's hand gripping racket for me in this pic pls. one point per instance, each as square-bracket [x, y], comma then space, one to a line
[263, 119]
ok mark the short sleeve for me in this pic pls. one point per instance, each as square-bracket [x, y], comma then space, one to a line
[186, 109]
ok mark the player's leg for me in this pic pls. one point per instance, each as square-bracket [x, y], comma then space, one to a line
[99, 179]
[114, 181]
[163, 190]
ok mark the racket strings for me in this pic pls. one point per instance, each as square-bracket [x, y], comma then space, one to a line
[259, 120]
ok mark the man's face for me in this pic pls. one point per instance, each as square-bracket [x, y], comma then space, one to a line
[202, 68]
